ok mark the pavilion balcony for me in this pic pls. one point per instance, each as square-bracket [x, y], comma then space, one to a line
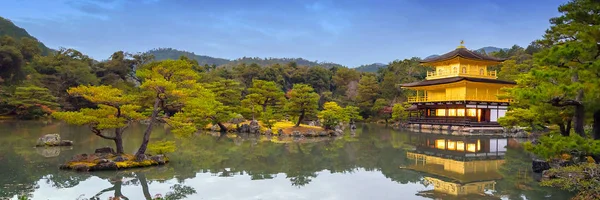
[483, 98]
[464, 73]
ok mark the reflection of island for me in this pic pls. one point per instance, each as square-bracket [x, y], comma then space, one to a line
[457, 167]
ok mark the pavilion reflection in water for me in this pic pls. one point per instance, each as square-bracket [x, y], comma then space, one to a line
[459, 167]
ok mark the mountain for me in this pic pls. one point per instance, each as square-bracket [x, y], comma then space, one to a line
[491, 49]
[170, 53]
[8, 28]
[370, 68]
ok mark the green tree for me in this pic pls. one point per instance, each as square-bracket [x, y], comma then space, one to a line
[31, 102]
[62, 70]
[302, 101]
[116, 110]
[270, 117]
[263, 94]
[368, 91]
[569, 63]
[399, 112]
[170, 84]
[333, 114]
[379, 109]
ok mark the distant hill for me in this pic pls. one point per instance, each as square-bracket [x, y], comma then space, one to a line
[7, 27]
[170, 53]
[491, 49]
[370, 68]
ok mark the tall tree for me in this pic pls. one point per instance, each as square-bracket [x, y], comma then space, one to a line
[570, 61]
[368, 91]
[116, 110]
[302, 101]
[169, 84]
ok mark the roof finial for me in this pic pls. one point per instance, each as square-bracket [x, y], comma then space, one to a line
[462, 42]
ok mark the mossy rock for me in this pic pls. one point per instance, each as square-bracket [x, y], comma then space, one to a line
[94, 162]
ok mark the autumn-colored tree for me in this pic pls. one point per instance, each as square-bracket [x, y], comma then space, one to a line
[116, 110]
[302, 101]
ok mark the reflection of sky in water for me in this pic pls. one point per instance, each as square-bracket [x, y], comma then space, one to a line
[360, 184]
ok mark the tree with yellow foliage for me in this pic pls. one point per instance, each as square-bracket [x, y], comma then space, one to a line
[116, 110]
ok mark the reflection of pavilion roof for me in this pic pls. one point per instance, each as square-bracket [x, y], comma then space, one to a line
[432, 194]
[439, 172]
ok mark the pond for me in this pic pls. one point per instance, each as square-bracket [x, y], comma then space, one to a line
[373, 162]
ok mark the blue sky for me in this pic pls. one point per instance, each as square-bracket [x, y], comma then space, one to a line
[349, 32]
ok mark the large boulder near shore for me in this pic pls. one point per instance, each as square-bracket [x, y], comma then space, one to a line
[52, 140]
[254, 127]
[244, 128]
[538, 166]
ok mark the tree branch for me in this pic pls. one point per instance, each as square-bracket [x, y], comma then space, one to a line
[99, 133]
[559, 102]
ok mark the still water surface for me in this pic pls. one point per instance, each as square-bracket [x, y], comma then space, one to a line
[374, 162]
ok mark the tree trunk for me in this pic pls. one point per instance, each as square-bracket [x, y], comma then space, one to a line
[579, 117]
[563, 129]
[222, 127]
[596, 125]
[119, 144]
[300, 119]
[119, 141]
[143, 181]
[146, 140]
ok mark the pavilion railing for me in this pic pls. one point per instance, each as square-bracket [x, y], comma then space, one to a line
[473, 73]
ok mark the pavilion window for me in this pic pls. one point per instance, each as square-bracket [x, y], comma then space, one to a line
[454, 70]
[440, 112]
[460, 112]
[472, 112]
[440, 144]
[452, 112]
[464, 70]
[451, 145]
[480, 71]
[460, 146]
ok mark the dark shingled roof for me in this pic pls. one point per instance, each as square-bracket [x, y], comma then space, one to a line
[455, 79]
[464, 53]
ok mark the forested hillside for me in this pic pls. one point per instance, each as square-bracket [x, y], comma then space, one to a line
[169, 53]
[8, 28]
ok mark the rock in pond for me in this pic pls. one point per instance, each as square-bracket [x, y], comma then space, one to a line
[538, 166]
[48, 152]
[160, 159]
[254, 127]
[244, 128]
[119, 159]
[52, 140]
[104, 150]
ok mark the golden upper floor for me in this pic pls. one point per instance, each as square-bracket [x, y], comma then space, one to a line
[461, 62]
[458, 89]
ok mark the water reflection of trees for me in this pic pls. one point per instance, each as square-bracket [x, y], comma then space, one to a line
[370, 148]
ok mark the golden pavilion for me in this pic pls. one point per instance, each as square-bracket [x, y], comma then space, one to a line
[460, 92]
